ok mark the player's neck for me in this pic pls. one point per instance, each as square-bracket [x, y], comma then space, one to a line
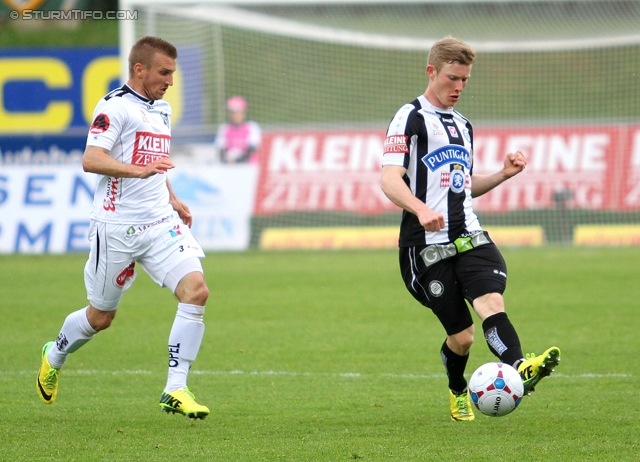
[139, 89]
[431, 97]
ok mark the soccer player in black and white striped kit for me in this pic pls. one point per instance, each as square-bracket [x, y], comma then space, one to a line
[446, 258]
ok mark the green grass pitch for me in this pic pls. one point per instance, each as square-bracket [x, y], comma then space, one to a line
[322, 356]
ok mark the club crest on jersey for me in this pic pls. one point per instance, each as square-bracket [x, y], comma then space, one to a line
[456, 181]
[450, 154]
[165, 119]
[467, 136]
[436, 288]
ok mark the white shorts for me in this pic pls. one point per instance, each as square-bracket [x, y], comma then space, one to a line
[158, 247]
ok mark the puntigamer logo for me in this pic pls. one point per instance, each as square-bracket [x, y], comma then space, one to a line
[450, 154]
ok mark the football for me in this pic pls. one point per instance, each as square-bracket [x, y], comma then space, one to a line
[496, 389]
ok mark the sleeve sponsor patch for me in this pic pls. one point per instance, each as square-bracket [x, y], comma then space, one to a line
[396, 144]
[100, 124]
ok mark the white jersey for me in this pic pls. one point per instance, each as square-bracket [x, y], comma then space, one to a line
[135, 130]
[436, 147]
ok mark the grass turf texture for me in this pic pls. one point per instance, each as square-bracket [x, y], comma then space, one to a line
[321, 357]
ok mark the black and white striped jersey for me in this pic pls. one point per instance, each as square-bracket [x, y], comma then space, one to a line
[435, 146]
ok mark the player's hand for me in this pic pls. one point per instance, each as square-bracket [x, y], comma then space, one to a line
[431, 221]
[159, 166]
[514, 163]
[183, 211]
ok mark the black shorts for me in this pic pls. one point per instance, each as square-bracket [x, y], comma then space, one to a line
[444, 286]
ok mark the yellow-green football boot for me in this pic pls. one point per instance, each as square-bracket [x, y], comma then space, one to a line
[183, 402]
[47, 380]
[535, 368]
[461, 406]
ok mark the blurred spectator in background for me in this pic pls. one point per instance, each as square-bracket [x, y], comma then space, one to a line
[239, 138]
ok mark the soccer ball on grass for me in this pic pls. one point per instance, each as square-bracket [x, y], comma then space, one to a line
[496, 389]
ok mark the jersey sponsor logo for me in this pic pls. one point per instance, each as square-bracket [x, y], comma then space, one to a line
[396, 144]
[494, 340]
[100, 124]
[453, 131]
[175, 232]
[134, 230]
[174, 355]
[174, 236]
[150, 147]
[109, 203]
[125, 275]
[450, 154]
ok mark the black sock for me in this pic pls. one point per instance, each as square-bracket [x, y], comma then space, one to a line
[502, 338]
[454, 365]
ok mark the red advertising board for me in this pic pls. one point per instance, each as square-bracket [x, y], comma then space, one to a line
[593, 167]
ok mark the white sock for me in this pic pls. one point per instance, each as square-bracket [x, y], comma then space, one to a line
[184, 343]
[75, 332]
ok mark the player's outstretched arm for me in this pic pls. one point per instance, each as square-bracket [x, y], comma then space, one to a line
[98, 160]
[514, 163]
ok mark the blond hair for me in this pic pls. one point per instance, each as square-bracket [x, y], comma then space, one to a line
[450, 50]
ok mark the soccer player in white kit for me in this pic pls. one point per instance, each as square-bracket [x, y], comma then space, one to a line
[446, 259]
[137, 219]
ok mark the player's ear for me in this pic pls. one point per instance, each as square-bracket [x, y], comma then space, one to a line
[431, 70]
[137, 69]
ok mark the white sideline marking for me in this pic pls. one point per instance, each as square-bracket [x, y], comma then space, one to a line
[437, 375]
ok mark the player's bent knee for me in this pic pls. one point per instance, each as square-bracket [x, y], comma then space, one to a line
[465, 342]
[98, 319]
[488, 304]
[461, 342]
[192, 289]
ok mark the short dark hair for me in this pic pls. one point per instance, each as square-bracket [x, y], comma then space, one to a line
[450, 50]
[142, 51]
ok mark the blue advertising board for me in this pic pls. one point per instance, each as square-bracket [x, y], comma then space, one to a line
[47, 98]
